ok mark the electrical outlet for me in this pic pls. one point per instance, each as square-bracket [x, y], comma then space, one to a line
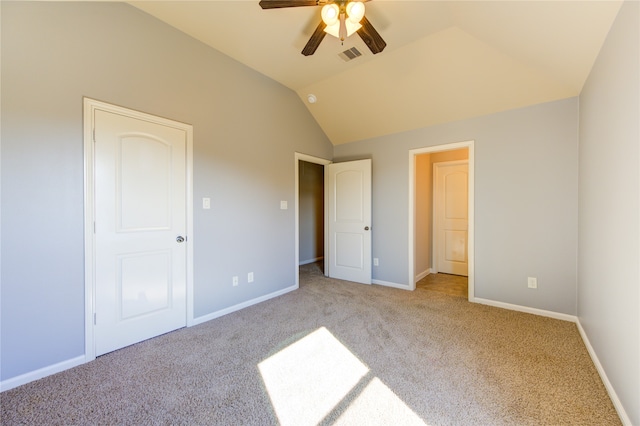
[250, 277]
[235, 281]
[532, 282]
[375, 261]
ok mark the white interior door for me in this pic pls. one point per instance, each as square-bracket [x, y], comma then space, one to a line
[140, 226]
[349, 188]
[451, 183]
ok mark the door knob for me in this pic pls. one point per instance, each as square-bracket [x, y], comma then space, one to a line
[180, 239]
[366, 228]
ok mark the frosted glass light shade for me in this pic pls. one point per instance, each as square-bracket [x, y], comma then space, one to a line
[355, 11]
[330, 14]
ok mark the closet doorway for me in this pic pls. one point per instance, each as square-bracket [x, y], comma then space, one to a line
[310, 213]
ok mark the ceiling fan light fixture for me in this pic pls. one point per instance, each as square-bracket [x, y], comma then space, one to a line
[340, 18]
[330, 14]
[355, 11]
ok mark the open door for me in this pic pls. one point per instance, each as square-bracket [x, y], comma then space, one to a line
[349, 222]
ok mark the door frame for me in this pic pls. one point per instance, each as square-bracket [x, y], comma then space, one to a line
[316, 160]
[89, 108]
[434, 240]
[412, 194]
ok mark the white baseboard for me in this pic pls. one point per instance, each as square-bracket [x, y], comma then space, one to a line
[423, 274]
[306, 262]
[390, 284]
[527, 309]
[242, 305]
[603, 375]
[40, 373]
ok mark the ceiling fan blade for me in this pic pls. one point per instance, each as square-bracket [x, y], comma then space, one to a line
[277, 4]
[370, 36]
[315, 40]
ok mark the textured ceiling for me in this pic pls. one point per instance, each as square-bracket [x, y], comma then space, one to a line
[444, 60]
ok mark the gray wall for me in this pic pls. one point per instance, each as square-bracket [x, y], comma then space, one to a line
[525, 201]
[311, 211]
[609, 213]
[246, 130]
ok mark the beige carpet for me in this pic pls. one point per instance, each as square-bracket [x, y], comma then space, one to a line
[334, 352]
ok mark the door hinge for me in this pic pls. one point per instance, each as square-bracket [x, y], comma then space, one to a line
[94, 135]
[94, 318]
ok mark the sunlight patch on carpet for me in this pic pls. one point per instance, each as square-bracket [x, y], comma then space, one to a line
[317, 377]
[309, 378]
[378, 405]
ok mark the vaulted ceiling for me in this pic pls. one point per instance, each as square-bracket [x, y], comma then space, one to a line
[444, 60]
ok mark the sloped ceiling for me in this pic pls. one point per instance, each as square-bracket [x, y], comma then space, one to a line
[444, 61]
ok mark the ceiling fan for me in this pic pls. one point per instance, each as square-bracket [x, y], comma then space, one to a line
[340, 18]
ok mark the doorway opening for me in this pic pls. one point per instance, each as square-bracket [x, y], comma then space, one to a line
[432, 239]
[311, 243]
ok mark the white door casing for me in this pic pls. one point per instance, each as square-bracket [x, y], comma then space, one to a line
[349, 188]
[140, 252]
[451, 217]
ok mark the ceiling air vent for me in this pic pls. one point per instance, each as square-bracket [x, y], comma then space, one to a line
[349, 54]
